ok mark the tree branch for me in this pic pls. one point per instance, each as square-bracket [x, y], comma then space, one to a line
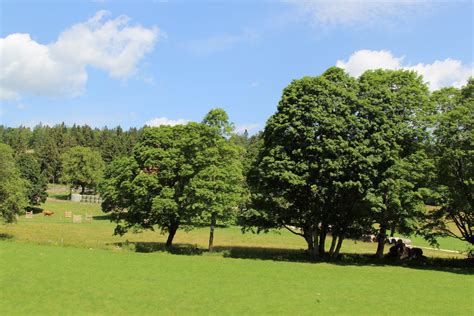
[294, 232]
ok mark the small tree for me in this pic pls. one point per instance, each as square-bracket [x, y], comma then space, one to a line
[13, 197]
[37, 182]
[216, 191]
[82, 167]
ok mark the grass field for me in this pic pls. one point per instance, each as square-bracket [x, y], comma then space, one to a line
[52, 266]
[50, 280]
[98, 234]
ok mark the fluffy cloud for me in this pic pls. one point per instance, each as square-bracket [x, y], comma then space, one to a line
[59, 68]
[441, 73]
[356, 12]
[166, 121]
[363, 60]
[444, 73]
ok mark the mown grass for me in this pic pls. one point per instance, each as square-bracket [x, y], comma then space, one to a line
[45, 280]
[51, 266]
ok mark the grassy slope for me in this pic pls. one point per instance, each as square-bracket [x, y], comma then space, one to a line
[53, 280]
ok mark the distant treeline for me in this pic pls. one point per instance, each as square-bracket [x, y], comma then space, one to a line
[48, 143]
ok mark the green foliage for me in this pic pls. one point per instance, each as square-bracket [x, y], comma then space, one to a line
[216, 191]
[13, 195]
[49, 143]
[396, 105]
[82, 167]
[112, 144]
[454, 152]
[341, 154]
[311, 168]
[17, 138]
[218, 119]
[37, 182]
[169, 166]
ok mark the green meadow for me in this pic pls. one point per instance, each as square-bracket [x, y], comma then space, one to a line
[56, 267]
[50, 280]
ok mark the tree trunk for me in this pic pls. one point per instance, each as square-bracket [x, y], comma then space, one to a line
[392, 230]
[211, 233]
[311, 238]
[333, 245]
[335, 255]
[381, 241]
[83, 188]
[322, 239]
[172, 232]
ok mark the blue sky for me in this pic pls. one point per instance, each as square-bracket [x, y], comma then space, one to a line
[166, 62]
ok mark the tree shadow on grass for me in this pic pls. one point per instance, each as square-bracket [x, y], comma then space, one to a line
[4, 236]
[148, 247]
[101, 217]
[458, 266]
[35, 210]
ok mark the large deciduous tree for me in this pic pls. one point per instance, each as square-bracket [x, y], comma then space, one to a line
[454, 156]
[395, 106]
[13, 197]
[83, 167]
[175, 178]
[310, 173]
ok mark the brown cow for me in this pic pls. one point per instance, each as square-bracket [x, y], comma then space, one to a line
[47, 213]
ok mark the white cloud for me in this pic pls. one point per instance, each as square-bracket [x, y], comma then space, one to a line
[356, 12]
[59, 68]
[166, 121]
[363, 60]
[249, 127]
[440, 73]
[444, 73]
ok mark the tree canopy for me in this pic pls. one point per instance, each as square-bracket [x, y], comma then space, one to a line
[309, 174]
[82, 166]
[37, 182]
[13, 195]
[174, 179]
[453, 153]
[396, 104]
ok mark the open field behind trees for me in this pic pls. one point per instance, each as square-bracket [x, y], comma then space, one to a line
[63, 281]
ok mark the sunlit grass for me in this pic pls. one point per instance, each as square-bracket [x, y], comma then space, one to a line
[98, 234]
[45, 280]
